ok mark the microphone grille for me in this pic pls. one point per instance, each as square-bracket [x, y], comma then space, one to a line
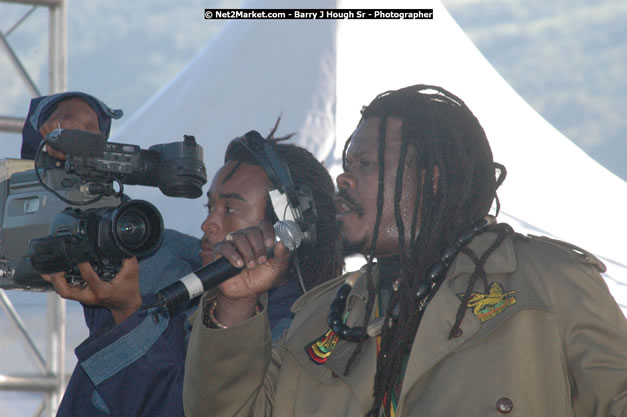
[289, 233]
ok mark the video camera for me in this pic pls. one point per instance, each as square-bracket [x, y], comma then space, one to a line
[55, 215]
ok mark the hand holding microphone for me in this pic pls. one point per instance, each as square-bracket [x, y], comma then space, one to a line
[254, 248]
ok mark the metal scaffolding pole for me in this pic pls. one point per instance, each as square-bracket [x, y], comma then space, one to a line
[57, 66]
[18, 65]
[56, 351]
[11, 124]
[52, 379]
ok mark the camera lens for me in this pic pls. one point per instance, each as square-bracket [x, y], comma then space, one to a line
[137, 227]
[133, 228]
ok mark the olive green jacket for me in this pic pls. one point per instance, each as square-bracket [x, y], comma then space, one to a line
[546, 340]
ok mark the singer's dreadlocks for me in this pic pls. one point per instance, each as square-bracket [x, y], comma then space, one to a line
[452, 152]
[323, 260]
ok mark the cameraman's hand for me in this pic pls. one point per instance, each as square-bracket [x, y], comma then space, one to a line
[121, 295]
[238, 296]
[71, 113]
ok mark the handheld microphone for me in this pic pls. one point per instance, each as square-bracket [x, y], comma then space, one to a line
[195, 283]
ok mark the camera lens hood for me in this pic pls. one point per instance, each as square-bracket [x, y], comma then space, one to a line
[137, 227]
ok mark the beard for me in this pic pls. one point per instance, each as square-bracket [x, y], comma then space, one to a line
[353, 247]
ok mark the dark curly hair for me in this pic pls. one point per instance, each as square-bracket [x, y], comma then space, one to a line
[323, 260]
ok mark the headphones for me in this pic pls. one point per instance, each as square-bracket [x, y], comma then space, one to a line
[289, 201]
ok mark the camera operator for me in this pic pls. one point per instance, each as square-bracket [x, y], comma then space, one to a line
[123, 339]
[132, 363]
[121, 296]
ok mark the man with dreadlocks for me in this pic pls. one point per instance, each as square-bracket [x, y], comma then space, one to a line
[458, 316]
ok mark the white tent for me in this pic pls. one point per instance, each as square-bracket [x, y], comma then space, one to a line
[318, 74]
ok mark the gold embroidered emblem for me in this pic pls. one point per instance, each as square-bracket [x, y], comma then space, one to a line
[487, 306]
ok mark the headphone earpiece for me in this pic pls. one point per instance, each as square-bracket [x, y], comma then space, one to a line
[289, 201]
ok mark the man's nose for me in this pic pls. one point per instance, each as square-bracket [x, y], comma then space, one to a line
[209, 225]
[346, 181]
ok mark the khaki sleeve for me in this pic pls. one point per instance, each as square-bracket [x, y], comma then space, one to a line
[595, 340]
[230, 372]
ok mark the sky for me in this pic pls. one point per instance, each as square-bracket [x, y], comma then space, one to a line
[566, 58]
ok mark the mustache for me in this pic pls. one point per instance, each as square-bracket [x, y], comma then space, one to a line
[347, 199]
[205, 244]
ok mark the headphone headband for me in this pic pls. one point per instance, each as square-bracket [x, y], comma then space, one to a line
[298, 199]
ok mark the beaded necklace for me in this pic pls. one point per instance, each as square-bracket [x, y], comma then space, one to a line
[434, 277]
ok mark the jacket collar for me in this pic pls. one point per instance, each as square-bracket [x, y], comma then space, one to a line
[501, 261]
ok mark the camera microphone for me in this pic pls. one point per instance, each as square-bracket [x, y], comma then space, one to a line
[77, 142]
[195, 283]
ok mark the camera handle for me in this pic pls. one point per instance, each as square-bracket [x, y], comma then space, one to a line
[54, 192]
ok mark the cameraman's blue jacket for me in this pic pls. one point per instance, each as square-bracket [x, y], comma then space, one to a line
[136, 368]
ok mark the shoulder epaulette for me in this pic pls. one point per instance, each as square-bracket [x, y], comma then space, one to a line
[581, 255]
